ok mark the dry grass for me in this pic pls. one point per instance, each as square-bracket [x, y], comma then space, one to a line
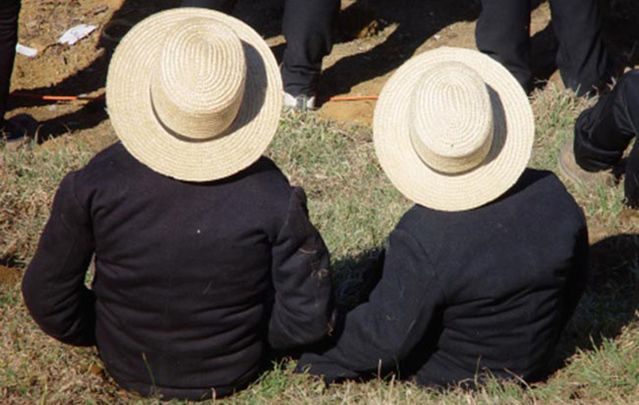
[355, 207]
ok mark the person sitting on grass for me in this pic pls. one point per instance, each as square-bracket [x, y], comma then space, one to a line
[481, 275]
[602, 135]
[205, 257]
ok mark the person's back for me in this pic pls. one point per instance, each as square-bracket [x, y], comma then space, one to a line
[469, 293]
[183, 284]
[508, 287]
[205, 257]
[183, 269]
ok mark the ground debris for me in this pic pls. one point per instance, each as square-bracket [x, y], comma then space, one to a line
[9, 276]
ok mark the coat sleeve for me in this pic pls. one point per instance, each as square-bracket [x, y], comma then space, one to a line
[301, 279]
[53, 285]
[579, 273]
[380, 333]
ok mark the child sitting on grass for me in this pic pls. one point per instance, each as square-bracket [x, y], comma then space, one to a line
[204, 254]
[483, 273]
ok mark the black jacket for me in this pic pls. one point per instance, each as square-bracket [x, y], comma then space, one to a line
[192, 281]
[465, 292]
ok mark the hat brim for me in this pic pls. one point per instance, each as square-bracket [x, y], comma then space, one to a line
[131, 111]
[509, 155]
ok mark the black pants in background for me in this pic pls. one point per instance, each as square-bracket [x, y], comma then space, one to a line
[308, 28]
[603, 132]
[503, 32]
[9, 10]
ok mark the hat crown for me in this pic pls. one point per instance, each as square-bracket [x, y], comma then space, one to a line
[451, 118]
[199, 85]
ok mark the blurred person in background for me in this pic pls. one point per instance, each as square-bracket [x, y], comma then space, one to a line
[9, 11]
[308, 28]
[503, 32]
[602, 135]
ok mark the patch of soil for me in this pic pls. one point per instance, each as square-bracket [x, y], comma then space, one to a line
[9, 276]
[42, 23]
[69, 70]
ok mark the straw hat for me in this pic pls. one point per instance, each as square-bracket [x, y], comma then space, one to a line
[453, 129]
[194, 94]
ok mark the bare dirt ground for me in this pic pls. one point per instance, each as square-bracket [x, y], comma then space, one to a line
[374, 38]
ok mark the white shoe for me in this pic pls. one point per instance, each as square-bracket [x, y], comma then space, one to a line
[299, 103]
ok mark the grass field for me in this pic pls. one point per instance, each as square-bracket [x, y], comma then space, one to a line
[355, 207]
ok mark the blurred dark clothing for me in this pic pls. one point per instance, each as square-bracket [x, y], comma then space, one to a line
[464, 293]
[603, 133]
[308, 26]
[225, 6]
[503, 32]
[9, 11]
[194, 282]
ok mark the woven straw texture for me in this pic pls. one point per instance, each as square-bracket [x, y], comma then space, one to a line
[491, 128]
[194, 94]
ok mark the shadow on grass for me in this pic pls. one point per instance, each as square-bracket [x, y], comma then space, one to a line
[356, 276]
[610, 301]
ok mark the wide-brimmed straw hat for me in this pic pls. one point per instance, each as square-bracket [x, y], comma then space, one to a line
[194, 94]
[453, 129]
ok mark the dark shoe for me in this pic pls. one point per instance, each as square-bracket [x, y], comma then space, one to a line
[10, 131]
[12, 134]
[572, 171]
[18, 131]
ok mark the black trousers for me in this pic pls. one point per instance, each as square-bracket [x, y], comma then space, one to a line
[9, 10]
[503, 32]
[603, 132]
[308, 28]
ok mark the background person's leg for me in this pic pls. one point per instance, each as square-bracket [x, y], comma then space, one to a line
[308, 28]
[9, 10]
[603, 132]
[503, 32]
[582, 57]
[220, 5]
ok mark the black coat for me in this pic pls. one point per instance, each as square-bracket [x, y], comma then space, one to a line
[192, 281]
[488, 289]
